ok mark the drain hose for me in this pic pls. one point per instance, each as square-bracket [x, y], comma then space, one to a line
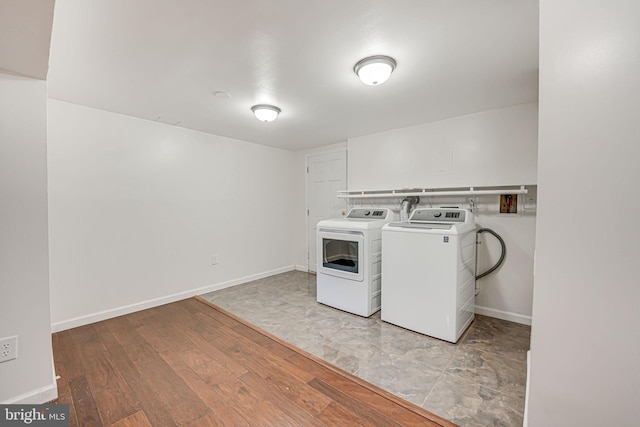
[502, 254]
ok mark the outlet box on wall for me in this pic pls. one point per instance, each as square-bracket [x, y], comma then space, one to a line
[8, 348]
[508, 203]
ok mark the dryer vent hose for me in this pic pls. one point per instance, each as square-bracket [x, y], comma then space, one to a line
[406, 206]
[502, 254]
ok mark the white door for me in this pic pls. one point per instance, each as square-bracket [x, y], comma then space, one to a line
[326, 174]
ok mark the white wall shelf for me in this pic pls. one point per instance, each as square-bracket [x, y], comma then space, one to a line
[430, 192]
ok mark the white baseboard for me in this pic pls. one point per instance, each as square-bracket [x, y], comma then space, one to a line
[504, 315]
[35, 397]
[38, 396]
[303, 268]
[131, 308]
[526, 392]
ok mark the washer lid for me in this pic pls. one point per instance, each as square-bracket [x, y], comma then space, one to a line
[422, 225]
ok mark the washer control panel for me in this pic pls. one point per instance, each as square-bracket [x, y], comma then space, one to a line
[368, 213]
[438, 215]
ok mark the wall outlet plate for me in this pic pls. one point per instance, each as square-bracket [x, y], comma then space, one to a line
[8, 348]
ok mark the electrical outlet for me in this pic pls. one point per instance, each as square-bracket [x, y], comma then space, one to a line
[8, 348]
[214, 259]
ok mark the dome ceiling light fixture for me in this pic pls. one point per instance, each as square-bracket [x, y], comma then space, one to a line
[265, 112]
[375, 70]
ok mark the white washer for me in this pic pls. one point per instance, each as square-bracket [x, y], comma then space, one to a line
[349, 257]
[428, 272]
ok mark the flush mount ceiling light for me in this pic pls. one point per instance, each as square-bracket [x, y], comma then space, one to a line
[265, 112]
[375, 70]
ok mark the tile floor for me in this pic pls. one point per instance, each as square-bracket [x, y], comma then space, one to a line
[480, 381]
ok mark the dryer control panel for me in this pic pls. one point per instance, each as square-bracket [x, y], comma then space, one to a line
[369, 213]
[438, 215]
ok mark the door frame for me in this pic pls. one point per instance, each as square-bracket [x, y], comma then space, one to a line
[306, 191]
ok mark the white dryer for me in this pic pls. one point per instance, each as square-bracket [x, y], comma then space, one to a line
[349, 257]
[428, 272]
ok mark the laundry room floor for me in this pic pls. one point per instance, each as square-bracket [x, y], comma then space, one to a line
[479, 381]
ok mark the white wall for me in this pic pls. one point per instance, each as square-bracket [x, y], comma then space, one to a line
[492, 148]
[24, 275]
[506, 293]
[585, 344]
[137, 208]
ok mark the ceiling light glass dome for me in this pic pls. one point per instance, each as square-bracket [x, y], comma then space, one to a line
[375, 70]
[266, 112]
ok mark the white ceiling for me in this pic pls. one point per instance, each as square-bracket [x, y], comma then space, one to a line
[25, 37]
[163, 60]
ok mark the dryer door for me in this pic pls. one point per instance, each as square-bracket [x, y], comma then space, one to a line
[341, 253]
